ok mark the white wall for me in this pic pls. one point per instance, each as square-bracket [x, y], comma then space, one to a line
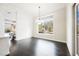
[70, 29]
[24, 25]
[59, 27]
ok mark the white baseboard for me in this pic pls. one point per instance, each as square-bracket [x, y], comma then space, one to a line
[53, 40]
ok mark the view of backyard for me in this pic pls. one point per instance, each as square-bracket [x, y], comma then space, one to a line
[45, 26]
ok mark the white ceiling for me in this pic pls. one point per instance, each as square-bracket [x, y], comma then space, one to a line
[32, 8]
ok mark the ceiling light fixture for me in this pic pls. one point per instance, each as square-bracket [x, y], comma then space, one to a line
[39, 12]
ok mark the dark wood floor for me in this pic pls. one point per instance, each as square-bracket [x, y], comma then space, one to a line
[38, 47]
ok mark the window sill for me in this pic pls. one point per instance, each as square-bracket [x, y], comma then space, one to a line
[6, 35]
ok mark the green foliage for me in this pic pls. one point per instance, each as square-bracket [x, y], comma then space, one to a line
[46, 27]
[7, 30]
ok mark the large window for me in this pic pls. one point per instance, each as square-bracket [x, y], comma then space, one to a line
[45, 25]
[10, 26]
[10, 22]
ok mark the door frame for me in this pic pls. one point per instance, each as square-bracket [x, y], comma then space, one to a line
[76, 28]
